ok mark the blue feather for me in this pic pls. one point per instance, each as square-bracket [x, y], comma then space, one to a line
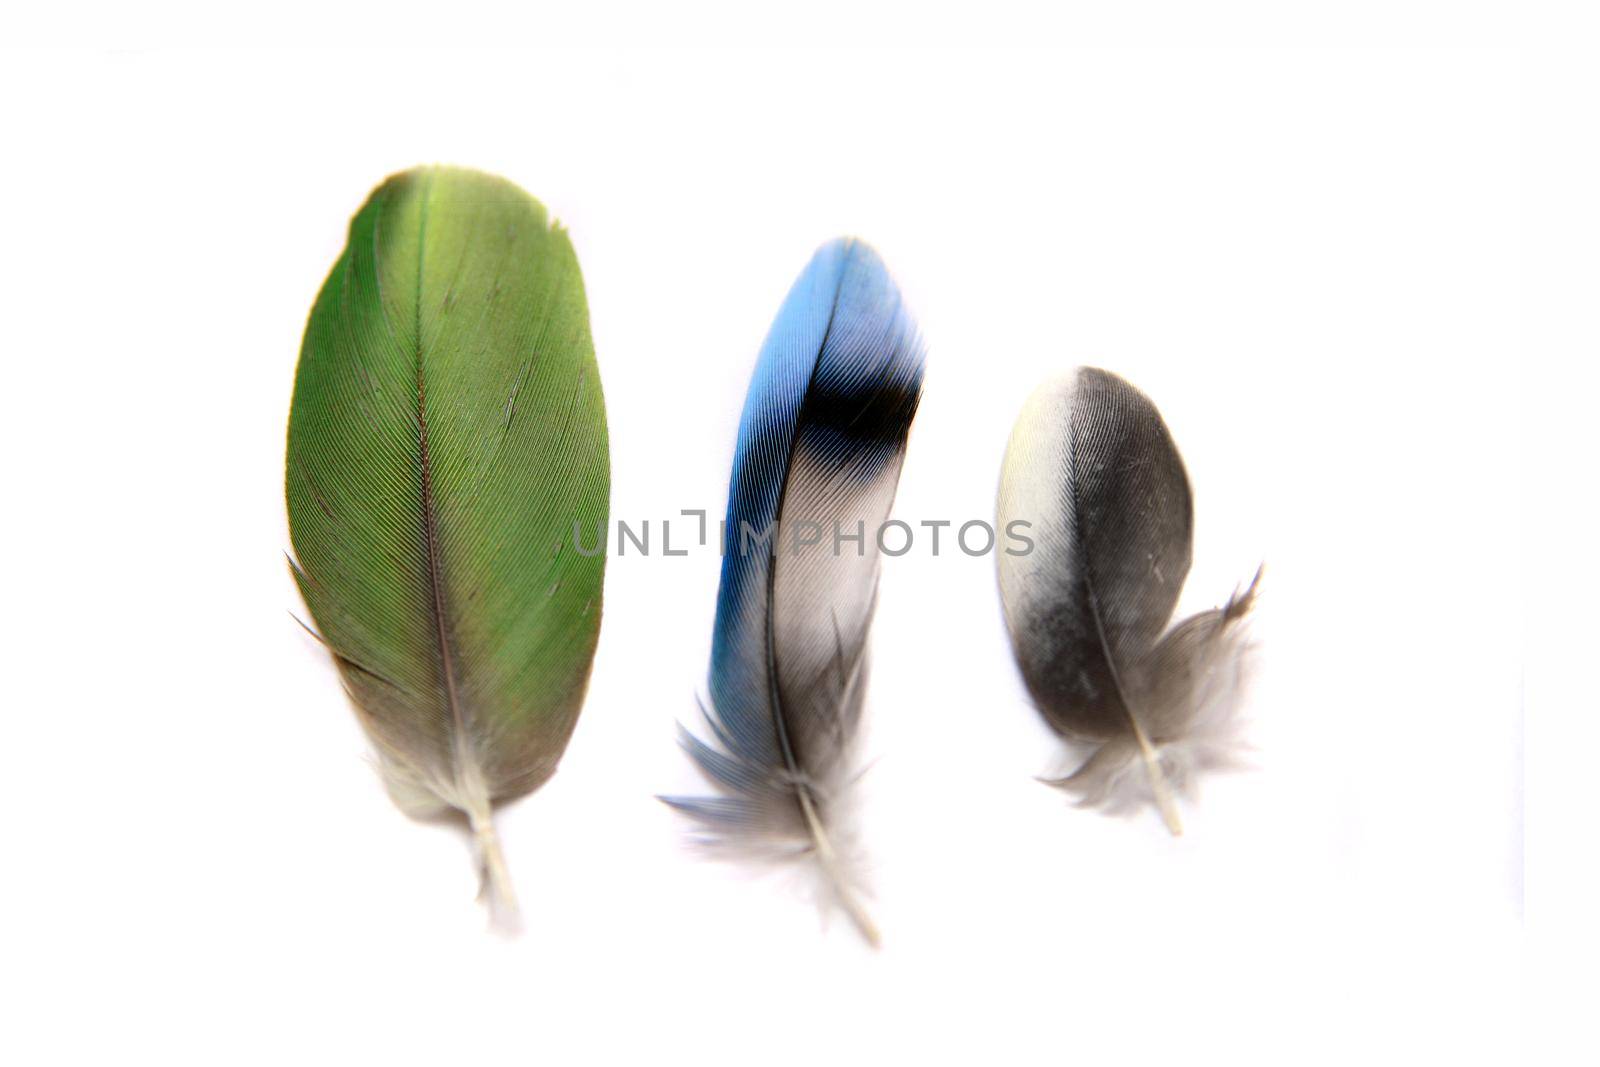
[820, 446]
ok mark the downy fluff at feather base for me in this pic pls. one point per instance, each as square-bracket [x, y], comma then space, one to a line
[1093, 471]
[819, 451]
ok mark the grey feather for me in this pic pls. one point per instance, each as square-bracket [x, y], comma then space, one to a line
[1093, 471]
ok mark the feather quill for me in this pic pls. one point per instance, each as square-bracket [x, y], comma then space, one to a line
[820, 446]
[1093, 472]
[446, 433]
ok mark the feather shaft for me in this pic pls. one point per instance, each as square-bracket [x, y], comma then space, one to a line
[1158, 781]
[496, 883]
[831, 867]
[472, 794]
[827, 858]
[1152, 762]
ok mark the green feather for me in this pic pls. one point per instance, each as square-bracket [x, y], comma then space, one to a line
[447, 433]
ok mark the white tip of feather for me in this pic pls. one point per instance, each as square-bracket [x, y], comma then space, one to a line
[837, 874]
[494, 886]
[805, 828]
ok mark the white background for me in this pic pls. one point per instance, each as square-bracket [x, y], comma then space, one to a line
[1312, 258]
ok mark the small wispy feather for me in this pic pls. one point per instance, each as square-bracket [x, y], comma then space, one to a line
[447, 431]
[1093, 473]
[820, 447]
